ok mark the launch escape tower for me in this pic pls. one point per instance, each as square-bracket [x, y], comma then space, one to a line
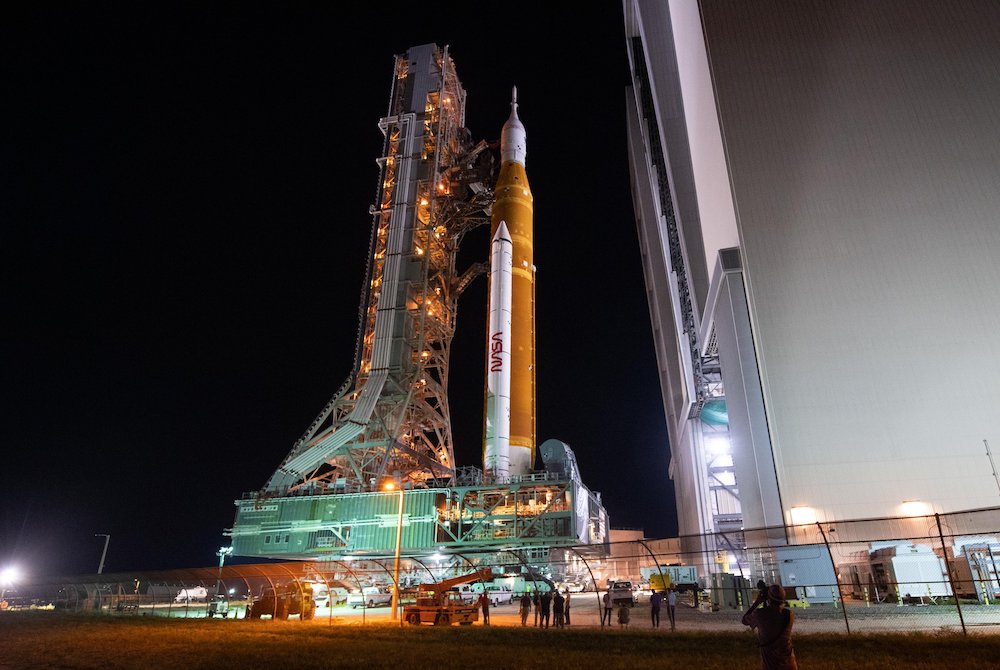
[389, 421]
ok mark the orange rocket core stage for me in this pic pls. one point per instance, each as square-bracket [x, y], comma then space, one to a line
[513, 205]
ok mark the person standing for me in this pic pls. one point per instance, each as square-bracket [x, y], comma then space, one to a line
[607, 608]
[558, 609]
[525, 608]
[566, 616]
[623, 615]
[672, 607]
[484, 603]
[655, 601]
[773, 626]
[543, 620]
[537, 601]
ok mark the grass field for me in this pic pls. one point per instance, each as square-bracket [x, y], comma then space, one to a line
[47, 640]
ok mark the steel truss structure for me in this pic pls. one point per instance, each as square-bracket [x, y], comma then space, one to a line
[390, 419]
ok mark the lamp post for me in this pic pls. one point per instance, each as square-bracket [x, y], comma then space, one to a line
[107, 538]
[7, 578]
[399, 541]
[221, 553]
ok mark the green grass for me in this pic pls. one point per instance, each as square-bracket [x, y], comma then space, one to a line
[52, 640]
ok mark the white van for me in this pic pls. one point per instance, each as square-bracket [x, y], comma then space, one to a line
[499, 594]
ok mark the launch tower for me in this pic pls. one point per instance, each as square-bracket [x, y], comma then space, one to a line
[390, 418]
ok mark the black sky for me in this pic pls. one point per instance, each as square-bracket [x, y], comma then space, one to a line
[183, 229]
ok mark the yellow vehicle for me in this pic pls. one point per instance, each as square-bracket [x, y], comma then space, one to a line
[442, 605]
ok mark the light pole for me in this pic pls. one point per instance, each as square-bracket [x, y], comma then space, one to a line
[7, 578]
[107, 538]
[399, 541]
[221, 553]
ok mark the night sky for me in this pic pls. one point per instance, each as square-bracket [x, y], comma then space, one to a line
[183, 229]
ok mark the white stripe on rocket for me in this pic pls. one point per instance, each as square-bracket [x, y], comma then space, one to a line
[496, 456]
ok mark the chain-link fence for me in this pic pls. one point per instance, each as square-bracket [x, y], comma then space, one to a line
[926, 572]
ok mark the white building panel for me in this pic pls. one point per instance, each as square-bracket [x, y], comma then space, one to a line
[869, 211]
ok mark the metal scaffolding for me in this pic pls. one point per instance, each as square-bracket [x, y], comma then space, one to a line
[390, 419]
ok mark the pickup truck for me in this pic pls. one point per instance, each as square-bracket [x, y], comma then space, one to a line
[621, 592]
[370, 596]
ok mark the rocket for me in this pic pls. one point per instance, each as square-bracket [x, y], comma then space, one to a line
[496, 456]
[512, 211]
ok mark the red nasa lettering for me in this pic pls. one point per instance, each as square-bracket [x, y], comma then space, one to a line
[496, 348]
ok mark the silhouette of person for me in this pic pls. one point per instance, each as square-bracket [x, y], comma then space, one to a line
[773, 626]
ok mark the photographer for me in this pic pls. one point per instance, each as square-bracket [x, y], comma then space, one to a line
[772, 621]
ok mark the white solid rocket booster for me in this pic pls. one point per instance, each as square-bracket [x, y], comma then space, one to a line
[496, 453]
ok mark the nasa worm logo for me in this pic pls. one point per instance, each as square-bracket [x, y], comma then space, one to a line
[496, 348]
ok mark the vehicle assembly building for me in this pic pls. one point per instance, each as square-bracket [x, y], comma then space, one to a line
[380, 453]
[816, 197]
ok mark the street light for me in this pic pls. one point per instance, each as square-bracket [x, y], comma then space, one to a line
[7, 578]
[399, 541]
[221, 553]
[107, 538]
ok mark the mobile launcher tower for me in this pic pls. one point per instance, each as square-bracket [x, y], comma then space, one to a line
[380, 453]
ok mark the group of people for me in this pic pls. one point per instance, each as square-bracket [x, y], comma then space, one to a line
[655, 605]
[554, 606]
[769, 617]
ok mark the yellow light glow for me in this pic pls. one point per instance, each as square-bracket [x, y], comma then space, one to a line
[424, 201]
[803, 515]
[915, 508]
[389, 486]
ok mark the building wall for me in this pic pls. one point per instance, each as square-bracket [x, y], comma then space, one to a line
[850, 150]
[865, 165]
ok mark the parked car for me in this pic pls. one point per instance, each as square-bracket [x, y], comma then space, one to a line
[622, 592]
[370, 596]
[287, 601]
[335, 595]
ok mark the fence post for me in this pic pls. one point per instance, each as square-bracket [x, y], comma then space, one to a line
[656, 561]
[847, 623]
[597, 591]
[951, 578]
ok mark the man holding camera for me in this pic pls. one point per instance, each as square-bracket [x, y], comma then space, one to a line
[771, 620]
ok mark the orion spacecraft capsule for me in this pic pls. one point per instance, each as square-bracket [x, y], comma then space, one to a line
[512, 209]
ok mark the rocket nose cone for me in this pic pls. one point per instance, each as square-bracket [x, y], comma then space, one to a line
[502, 233]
